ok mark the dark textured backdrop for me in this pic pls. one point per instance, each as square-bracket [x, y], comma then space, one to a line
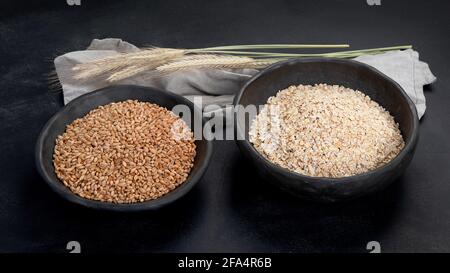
[231, 209]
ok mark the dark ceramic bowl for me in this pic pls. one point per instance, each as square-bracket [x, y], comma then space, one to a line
[85, 103]
[347, 73]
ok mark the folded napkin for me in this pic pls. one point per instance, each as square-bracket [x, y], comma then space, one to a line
[218, 87]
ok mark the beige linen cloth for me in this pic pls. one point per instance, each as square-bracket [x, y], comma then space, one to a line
[218, 87]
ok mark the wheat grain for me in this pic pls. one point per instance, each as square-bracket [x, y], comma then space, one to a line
[124, 152]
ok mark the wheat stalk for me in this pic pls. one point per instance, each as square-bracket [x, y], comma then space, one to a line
[273, 46]
[338, 54]
[166, 60]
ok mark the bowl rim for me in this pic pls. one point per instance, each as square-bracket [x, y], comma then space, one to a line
[58, 187]
[409, 145]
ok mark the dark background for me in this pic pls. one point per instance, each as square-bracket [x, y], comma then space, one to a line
[231, 209]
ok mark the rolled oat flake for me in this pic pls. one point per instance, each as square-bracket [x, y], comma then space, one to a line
[325, 131]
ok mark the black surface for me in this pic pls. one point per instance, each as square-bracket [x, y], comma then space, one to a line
[230, 209]
[348, 73]
[81, 106]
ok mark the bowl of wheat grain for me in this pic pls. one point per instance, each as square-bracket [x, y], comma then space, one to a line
[326, 129]
[122, 148]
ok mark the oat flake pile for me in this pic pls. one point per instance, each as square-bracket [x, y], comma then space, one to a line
[325, 131]
[125, 152]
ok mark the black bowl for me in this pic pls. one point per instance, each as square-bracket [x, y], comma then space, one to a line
[347, 73]
[80, 106]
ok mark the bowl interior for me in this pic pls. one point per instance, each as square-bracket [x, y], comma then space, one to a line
[81, 106]
[347, 73]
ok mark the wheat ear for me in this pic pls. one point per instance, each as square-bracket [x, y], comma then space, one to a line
[200, 61]
[126, 65]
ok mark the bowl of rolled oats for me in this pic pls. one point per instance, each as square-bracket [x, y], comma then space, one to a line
[326, 129]
[122, 148]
